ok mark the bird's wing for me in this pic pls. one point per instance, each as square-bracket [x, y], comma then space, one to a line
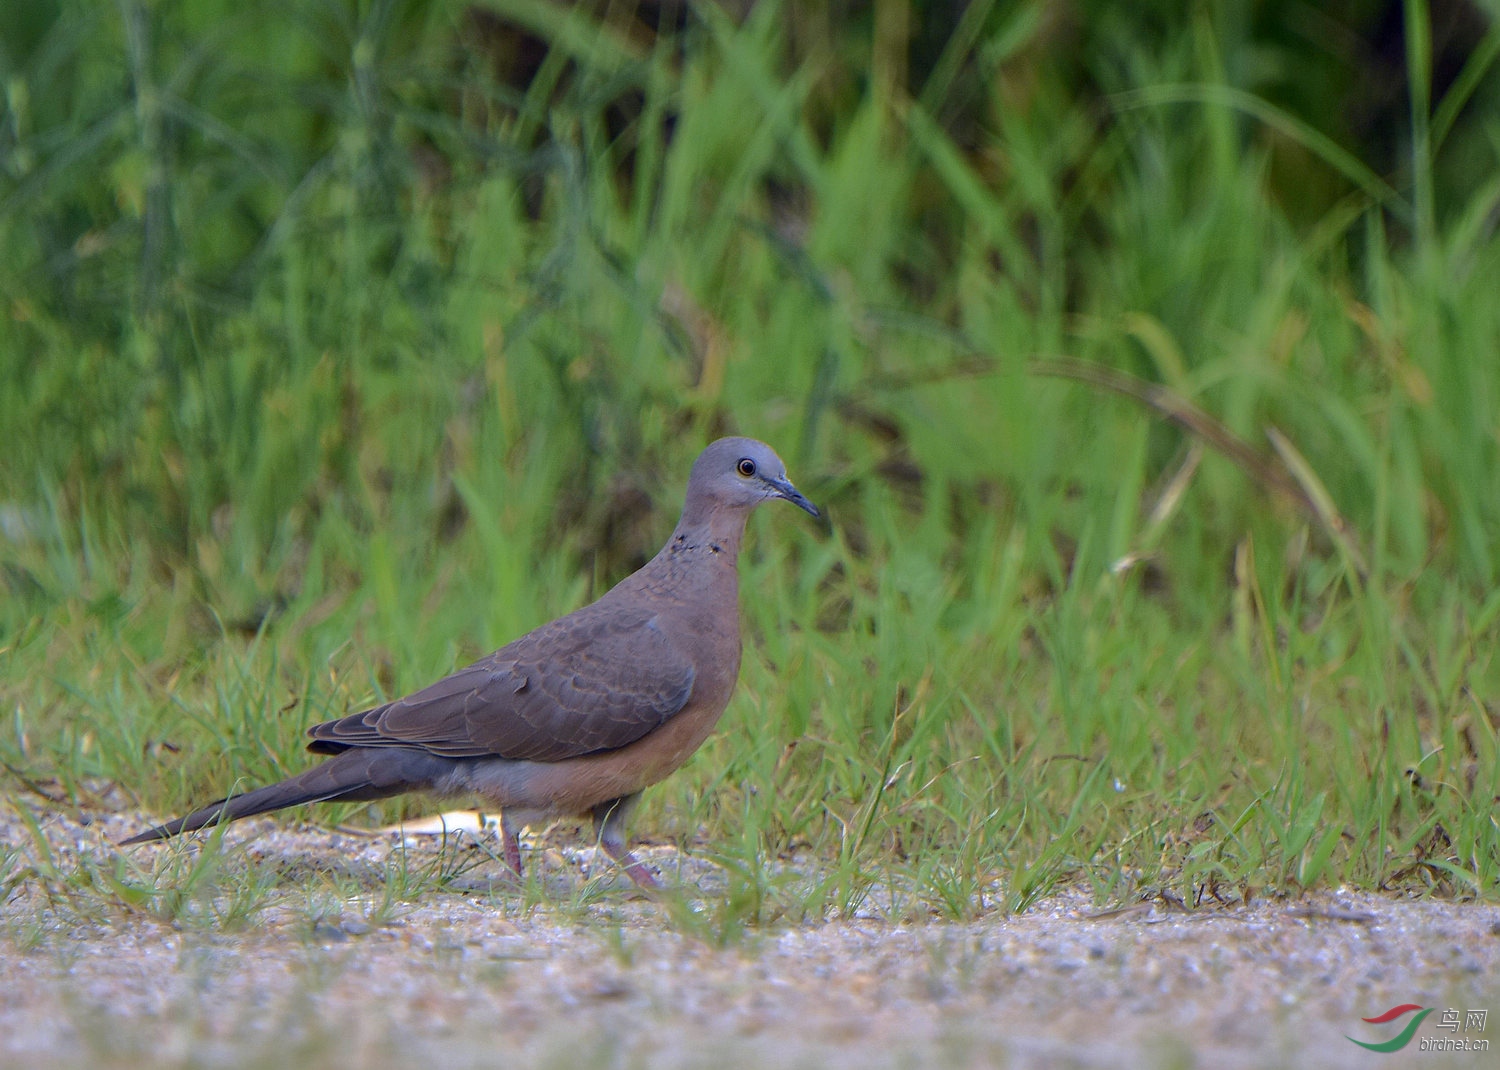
[585, 683]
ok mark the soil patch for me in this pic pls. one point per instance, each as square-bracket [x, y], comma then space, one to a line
[322, 977]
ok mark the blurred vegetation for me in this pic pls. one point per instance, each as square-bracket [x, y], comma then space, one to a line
[1144, 354]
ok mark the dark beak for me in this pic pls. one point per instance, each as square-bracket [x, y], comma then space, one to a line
[784, 489]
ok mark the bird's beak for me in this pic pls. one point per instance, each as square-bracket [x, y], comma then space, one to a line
[783, 488]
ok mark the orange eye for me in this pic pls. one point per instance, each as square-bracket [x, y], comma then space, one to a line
[746, 467]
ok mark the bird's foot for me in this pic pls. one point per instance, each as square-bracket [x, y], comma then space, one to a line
[510, 846]
[637, 871]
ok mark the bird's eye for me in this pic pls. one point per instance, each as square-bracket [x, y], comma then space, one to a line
[746, 467]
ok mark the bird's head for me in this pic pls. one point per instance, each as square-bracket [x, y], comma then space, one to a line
[741, 473]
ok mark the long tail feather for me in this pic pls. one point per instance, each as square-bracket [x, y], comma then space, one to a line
[356, 775]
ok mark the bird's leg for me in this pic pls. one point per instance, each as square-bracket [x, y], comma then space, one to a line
[610, 821]
[510, 843]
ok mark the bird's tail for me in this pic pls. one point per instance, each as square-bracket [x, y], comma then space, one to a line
[356, 775]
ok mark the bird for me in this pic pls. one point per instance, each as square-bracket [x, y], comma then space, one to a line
[577, 717]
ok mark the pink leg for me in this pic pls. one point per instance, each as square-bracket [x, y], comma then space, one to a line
[610, 819]
[510, 841]
[635, 869]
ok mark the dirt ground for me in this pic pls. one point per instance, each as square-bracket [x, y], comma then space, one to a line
[477, 978]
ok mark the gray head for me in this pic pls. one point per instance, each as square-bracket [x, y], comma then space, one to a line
[740, 473]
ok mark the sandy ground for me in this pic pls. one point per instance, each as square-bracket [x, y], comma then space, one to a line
[478, 978]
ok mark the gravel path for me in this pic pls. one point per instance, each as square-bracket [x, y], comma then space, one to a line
[324, 978]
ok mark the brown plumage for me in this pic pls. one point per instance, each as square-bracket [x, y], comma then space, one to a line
[578, 716]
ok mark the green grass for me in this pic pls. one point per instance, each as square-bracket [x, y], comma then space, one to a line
[298, 422]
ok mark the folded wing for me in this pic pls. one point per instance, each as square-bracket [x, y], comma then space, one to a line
[589, 682]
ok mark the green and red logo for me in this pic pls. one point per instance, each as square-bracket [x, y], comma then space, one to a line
[1401, 1039]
